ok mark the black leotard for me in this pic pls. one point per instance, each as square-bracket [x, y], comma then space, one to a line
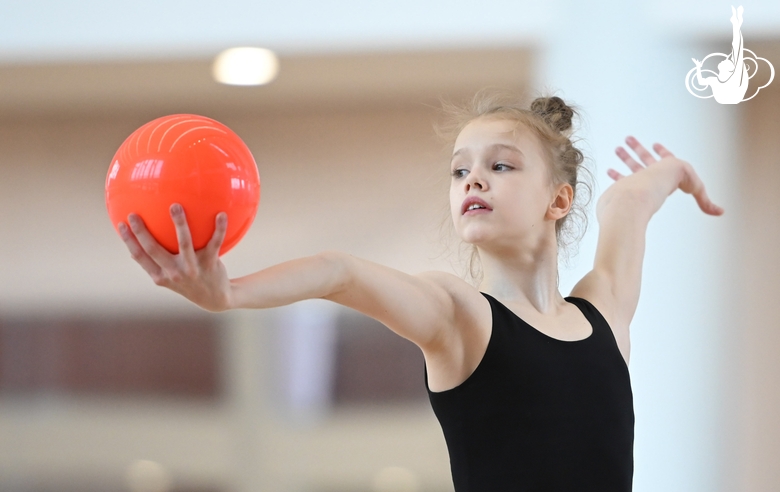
[541, 414]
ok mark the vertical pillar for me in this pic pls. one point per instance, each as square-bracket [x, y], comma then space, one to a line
[246, 376]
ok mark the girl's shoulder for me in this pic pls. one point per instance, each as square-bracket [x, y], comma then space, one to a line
[466, 340]
[468, 300]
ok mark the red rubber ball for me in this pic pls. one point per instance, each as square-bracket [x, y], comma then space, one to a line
[191, 160]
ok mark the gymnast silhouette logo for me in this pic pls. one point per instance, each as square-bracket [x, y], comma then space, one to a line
[731, 82]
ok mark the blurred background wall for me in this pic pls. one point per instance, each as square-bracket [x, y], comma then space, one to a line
[109, 383]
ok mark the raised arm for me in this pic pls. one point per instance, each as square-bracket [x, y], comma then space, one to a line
[419, 308]
[624, 211]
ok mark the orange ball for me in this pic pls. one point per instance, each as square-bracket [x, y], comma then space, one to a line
[191, 160]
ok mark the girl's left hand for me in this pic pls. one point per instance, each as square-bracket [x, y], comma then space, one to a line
[690, 184]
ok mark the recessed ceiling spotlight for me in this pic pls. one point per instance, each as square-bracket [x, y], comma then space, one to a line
[245, 66]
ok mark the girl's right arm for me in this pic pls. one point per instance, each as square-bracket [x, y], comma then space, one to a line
[420, 308]
[416, 307]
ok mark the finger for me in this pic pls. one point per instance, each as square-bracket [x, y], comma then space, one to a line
[219, 234]
[614, 174]
[137, 252]
[630, 162]
[662, 151]
[706, 205]
[693, 184]
[642, 152]
[715, 210]
[183, 233]
[160, 255]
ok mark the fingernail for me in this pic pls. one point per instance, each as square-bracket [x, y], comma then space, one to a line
[122, 228]
[176, 208]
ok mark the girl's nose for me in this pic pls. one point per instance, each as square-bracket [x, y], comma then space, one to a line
[475, 181]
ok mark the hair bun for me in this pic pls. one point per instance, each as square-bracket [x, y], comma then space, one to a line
[554, 111]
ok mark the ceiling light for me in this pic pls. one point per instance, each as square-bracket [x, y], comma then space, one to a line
[245, 66]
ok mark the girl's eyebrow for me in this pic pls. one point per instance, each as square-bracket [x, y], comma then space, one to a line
[464, 150]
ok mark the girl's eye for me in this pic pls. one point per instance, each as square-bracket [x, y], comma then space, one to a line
[458, 173]
[501, 164]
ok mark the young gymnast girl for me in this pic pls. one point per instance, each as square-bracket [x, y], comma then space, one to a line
[531, 388]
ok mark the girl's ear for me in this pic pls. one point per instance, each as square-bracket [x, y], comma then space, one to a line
[562, 202]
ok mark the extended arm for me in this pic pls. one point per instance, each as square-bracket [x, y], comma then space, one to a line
[624, 211]
[416, 307]
[419, 308]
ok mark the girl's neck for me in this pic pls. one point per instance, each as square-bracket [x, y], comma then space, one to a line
[523, 279]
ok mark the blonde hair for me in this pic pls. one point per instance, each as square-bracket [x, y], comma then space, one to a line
[549, 118]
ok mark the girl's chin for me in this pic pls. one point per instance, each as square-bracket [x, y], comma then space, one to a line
[475, 239]
[485, 239]
[475, 231]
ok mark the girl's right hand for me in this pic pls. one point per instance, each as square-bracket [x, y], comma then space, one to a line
[200, 276]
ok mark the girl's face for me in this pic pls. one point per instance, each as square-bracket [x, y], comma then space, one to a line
[500, 165]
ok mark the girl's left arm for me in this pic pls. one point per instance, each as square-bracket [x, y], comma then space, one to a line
[624, 211]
